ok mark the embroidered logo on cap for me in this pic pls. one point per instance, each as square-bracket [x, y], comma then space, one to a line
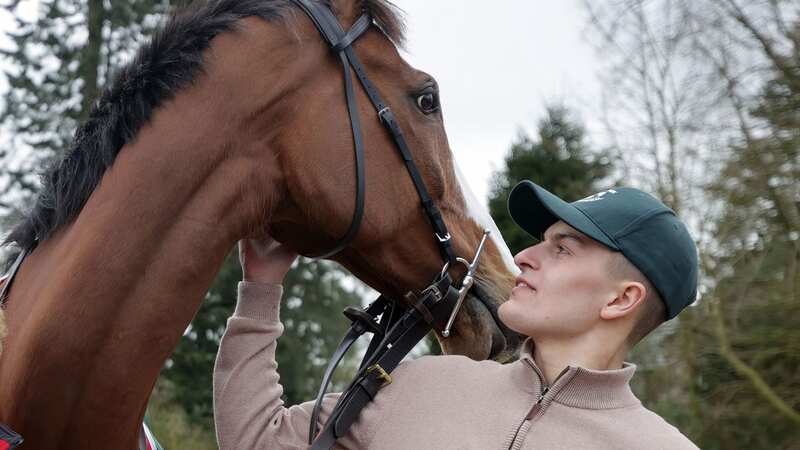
[597, 197]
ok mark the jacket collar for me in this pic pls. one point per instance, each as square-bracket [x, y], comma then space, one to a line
[586, 388]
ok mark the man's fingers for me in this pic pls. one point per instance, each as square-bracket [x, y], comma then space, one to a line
[263, 250]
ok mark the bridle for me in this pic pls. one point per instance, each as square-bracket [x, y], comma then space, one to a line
[395, 333]
[341, 44]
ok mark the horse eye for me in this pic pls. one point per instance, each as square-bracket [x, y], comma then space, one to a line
[428, 102]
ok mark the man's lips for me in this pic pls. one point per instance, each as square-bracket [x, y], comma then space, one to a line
[521, 282]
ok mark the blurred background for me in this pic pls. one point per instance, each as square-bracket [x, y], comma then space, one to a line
[694, 101]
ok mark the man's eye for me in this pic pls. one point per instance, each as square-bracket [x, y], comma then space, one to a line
[428, 102]
[562, 249]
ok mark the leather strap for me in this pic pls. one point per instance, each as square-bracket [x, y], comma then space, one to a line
[12, 272]
[378, 307]
[333, 33]
[390, 122]
[404, 335]
[358, 28]
[341, 43]
[323, 19]
[388, 320]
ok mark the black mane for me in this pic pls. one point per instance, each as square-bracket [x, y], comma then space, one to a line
[168, 63]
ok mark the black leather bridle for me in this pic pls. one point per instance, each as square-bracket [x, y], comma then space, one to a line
[341, 44]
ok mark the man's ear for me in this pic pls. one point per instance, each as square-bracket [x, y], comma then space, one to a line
[630, 295]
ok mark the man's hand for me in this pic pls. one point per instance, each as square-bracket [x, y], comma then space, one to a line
[265, 261]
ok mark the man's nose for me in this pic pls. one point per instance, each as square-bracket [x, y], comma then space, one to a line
[529, 257]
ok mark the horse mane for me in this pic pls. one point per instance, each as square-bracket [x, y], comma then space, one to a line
[161, 68]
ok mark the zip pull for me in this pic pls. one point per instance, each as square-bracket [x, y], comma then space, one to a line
[544, 392]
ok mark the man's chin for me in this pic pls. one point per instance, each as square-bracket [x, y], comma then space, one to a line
[506, 313]
[502, 312]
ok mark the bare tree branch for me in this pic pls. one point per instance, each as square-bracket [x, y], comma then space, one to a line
[742, 368]
[766, 43]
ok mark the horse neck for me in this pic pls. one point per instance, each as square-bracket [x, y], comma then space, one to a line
[104, 302]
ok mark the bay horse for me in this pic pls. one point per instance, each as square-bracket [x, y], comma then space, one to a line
[231, 123]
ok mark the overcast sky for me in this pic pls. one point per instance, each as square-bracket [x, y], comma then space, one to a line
[498, 64]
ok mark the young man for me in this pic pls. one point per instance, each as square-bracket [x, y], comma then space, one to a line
[609, 269]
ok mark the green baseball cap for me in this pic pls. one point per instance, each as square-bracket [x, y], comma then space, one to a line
[626, 220]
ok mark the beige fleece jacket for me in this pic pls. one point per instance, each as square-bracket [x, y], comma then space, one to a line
[434, 402]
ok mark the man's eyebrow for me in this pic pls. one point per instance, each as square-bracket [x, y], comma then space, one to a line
[567, 235]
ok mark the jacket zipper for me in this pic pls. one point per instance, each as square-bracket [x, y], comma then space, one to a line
[538, 404]
[537, 407]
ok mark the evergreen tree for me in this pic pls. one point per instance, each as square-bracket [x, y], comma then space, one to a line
[755, 303]
[315, 293]
[56, 65]
[559, 160]
[314, 297]
[189, 369]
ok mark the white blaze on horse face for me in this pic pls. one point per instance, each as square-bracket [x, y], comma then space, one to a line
[478, 212]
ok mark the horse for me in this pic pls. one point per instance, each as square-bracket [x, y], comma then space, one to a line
[231, 123]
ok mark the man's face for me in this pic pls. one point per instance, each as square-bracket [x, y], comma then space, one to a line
[563, 286]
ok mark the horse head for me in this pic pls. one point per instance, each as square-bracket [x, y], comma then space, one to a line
[395, 249]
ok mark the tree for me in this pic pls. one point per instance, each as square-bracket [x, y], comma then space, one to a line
[560, 161]
[658, 106]
[711, 90]
[754, 306]
[315, 293]
[755, 303]
[188, 370]
[57, 64]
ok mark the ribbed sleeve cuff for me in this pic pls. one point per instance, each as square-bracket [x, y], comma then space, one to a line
[260, 301]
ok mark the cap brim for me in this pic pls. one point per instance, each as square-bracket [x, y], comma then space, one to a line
[535, 209]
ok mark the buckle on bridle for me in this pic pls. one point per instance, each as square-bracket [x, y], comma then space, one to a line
[446, 238]
[386, 115]
[382, 374]
[466, 283]
[433, 290]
